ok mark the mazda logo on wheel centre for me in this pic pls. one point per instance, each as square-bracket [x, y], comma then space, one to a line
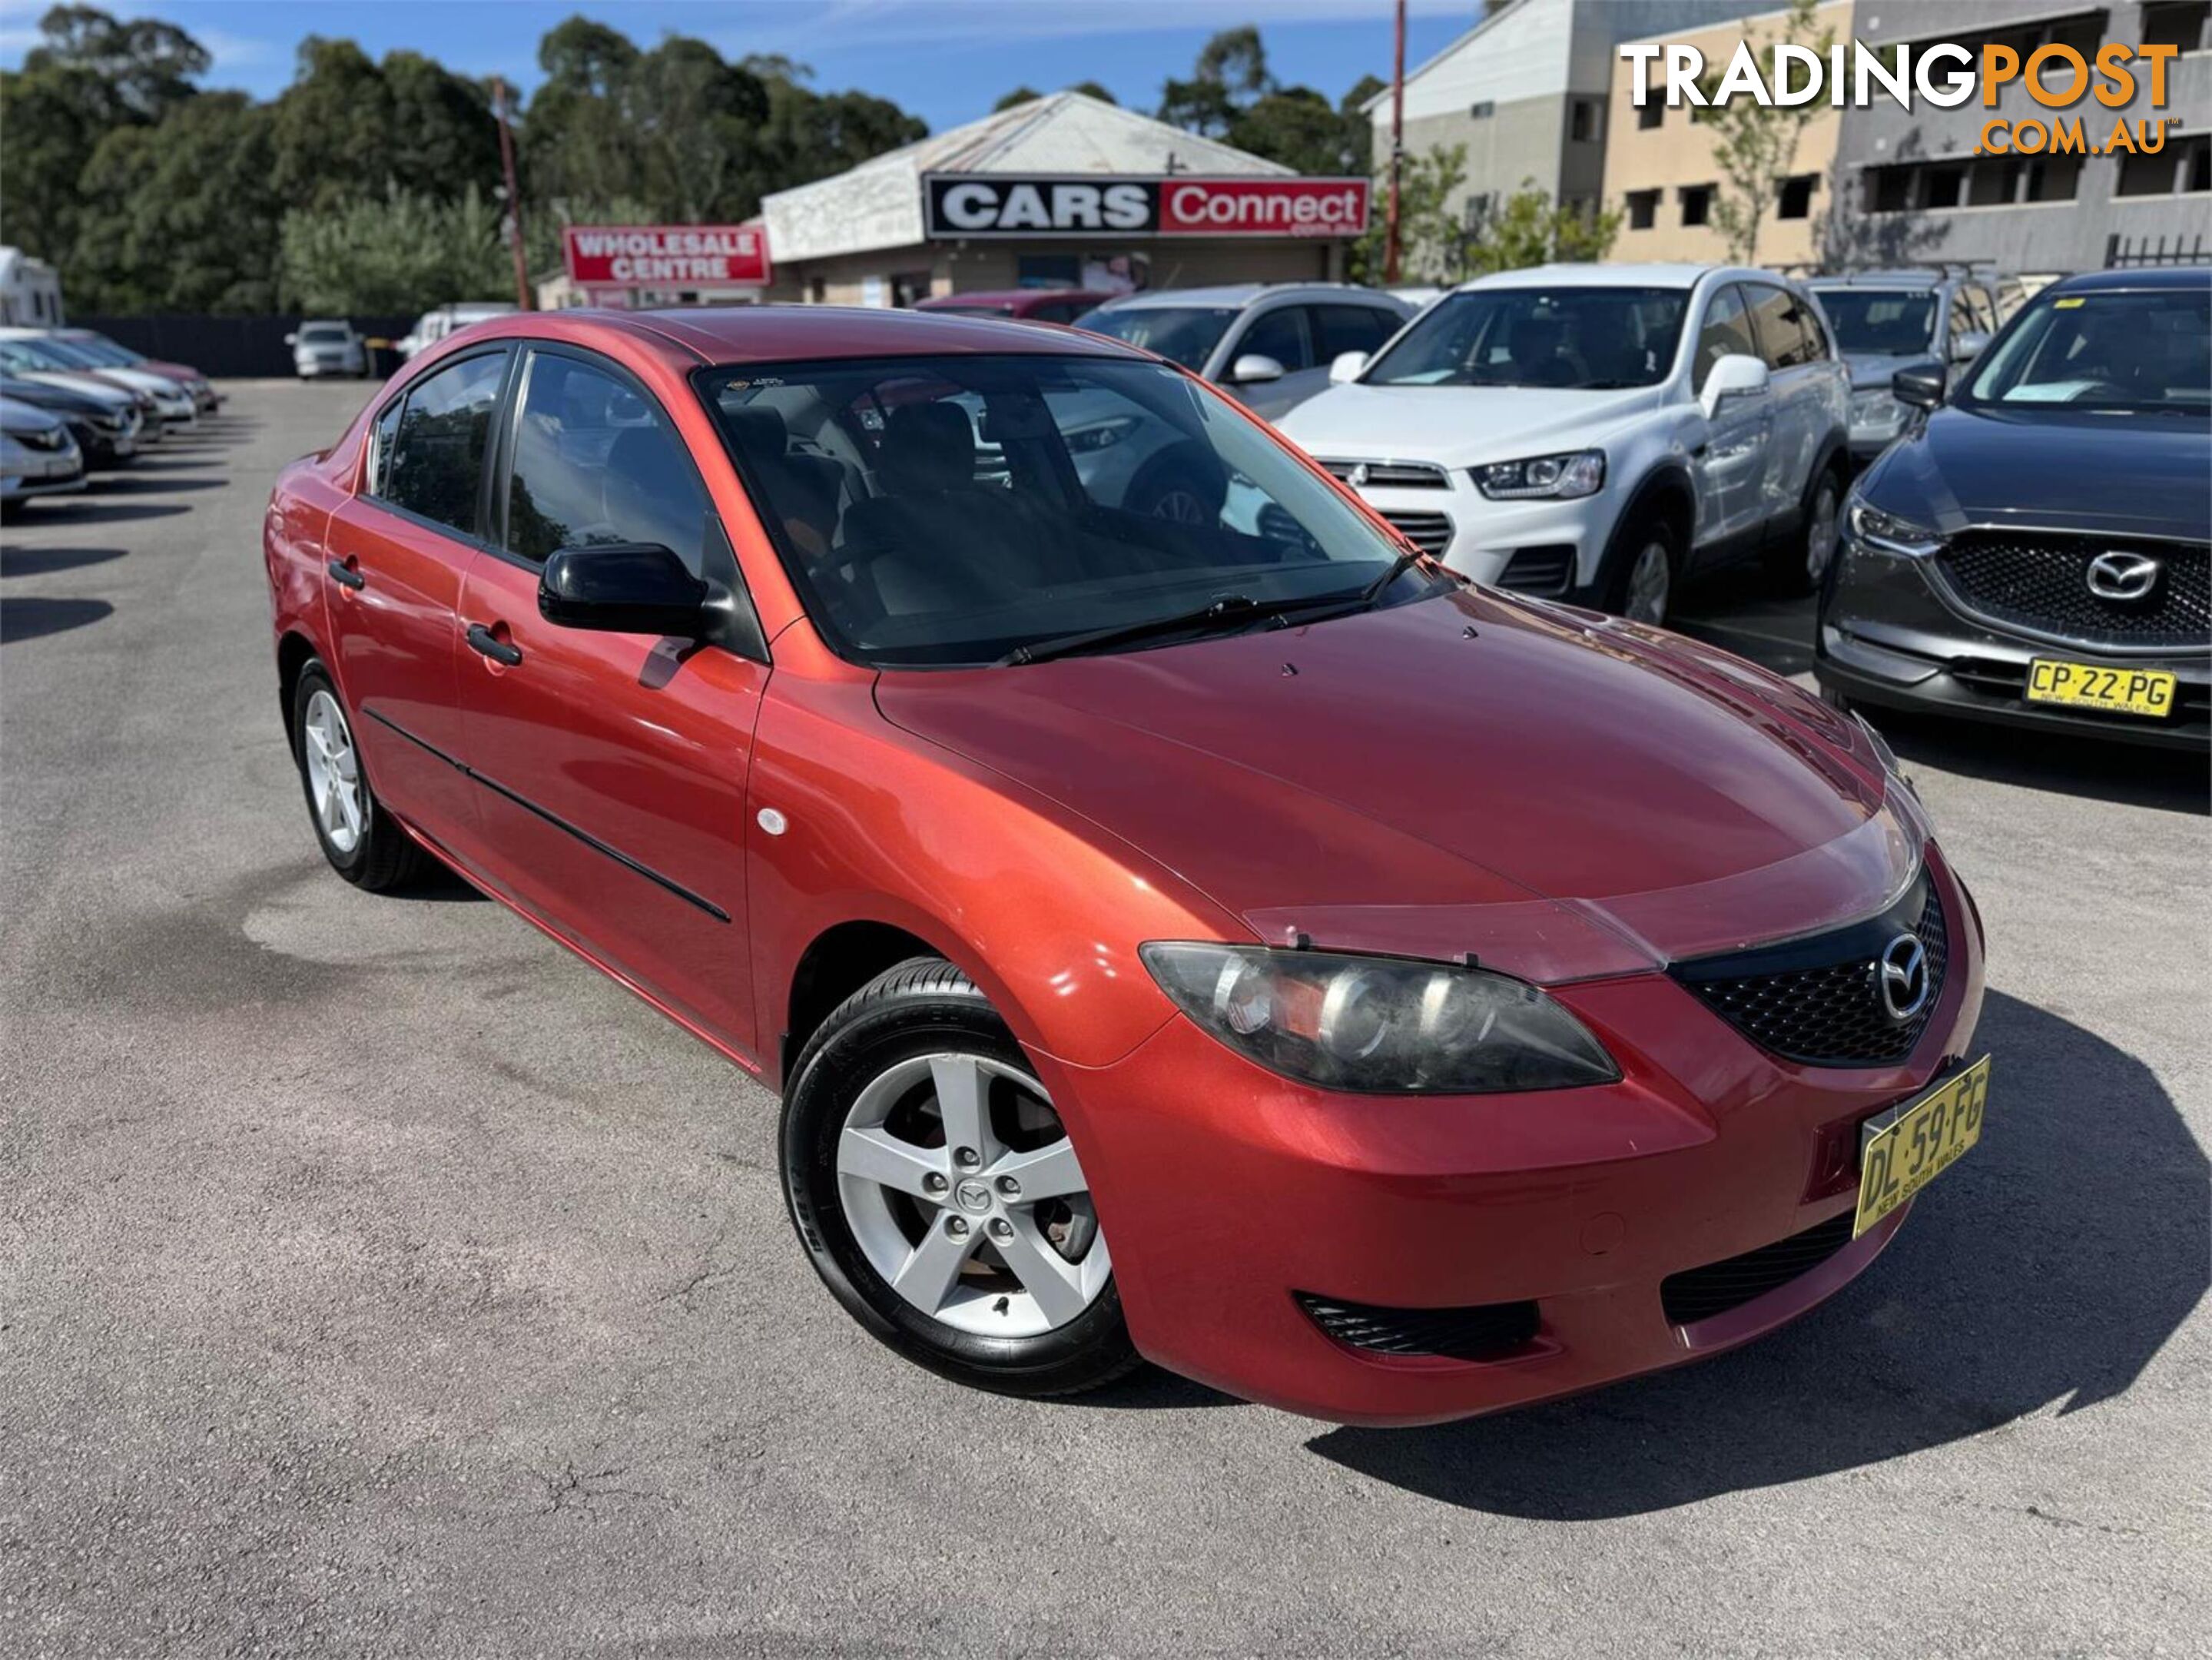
[2119, 575]
[1902, 981]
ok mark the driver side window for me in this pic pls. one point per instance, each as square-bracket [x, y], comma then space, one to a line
[1726, 333]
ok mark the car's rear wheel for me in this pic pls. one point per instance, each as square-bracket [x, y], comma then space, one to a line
[937, 1191]
[362, 841]
[1800, 564]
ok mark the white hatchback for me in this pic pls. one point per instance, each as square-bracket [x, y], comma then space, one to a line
[1598, 432]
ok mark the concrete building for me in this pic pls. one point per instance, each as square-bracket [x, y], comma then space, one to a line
[1527, 91]
[1910, 186]
[1661, 178]
[1066, 190]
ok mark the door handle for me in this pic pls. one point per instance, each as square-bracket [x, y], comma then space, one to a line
[343, 573]
[482, 639]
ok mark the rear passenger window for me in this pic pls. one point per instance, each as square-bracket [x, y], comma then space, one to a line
[596, 463]
[381, 437]
[1726, 333]
[1280, 335]
[1781, 323]
[1340, 329]
[435, 466]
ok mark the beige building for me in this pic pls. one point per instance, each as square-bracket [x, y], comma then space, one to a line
[1659, 175]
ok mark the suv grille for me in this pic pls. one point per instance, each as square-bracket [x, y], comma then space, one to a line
[1699, 1294]
[1483, 1331]
[1390, 475]
[2041, 581]
[1819, 1001]
[1431, 532]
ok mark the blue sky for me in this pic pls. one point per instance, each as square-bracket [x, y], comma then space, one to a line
[947, 60]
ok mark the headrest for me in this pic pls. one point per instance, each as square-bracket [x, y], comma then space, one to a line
[929, 446]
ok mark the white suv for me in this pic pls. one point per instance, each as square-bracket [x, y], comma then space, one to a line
[1597, 431]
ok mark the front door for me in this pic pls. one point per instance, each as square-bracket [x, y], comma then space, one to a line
[397, 553]
[1731, 463]
[611, 768]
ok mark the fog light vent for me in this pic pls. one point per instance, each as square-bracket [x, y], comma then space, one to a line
[1483, 1331]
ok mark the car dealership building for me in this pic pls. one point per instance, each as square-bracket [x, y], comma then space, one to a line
[1063, 191]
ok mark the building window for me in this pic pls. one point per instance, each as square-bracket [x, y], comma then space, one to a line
[1797, 199]
[1650, 116]
[1483, 110]
[2052, 178]
[1697, 205]
[1642, 208]
[2181, 165]
[2199, 176]
[1475, 211]
[1944, 187]
[2176, 24]
[1584, 116]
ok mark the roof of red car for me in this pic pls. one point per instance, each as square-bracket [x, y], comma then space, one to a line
[763, 334]
[1016, 298]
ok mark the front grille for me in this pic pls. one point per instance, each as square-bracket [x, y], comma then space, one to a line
[1390, 475]
[1484, 1331]
[1431, 532]
[1698, 1294]
[1539, 570]
[2041, 581]
[1819, 1001]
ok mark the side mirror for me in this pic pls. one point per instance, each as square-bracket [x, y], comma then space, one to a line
[291, 339]
[622, 587]
[1920, 386]
[1347, 366]
[1965, 348]
[1254, 367]
[1739, 374]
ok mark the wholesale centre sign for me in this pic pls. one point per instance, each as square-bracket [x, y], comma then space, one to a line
[667, 256]
[958, 205]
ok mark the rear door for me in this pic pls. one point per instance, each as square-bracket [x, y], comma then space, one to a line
[612, 767]
[398, 551]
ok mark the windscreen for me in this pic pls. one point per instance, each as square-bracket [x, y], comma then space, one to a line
[941, 511]
[1579, 339]
[2129, 350]
[327, 333]
[1880, 322]
[1182, 334]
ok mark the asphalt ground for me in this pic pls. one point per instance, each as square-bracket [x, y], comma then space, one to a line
[375, 1278]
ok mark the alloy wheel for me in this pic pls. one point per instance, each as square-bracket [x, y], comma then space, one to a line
[1651, 582]
[1821, 533]
[963, 1192]
[333, 772]
[1180, 507]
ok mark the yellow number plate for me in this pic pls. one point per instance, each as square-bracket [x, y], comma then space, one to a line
[2085, 686]
[1907, 1147]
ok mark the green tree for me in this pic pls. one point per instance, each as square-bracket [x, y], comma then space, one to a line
[1755, 144]
[1019, 95]
[1428, 236]
[403, 252]
[1531, 229]
[811, 135]
[1093, 89]
[348, 125]
[1229, 75]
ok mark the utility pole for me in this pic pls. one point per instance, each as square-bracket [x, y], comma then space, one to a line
[1397, 148]
[514, 195]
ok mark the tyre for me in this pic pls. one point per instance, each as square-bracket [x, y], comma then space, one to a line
[362, 841]
[1642, 570]
[937, 1193]
[1799, 564]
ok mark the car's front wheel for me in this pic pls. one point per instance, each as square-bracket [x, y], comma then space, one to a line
[937, 1191]
[362, 841]
[1641, 570]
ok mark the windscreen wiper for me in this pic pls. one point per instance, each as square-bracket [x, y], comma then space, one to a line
[1237, 609]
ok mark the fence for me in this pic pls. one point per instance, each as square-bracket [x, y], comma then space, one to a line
[232, 346]
[2120, 251]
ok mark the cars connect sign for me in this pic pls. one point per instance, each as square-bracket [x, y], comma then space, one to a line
[1000, 205]
[667, 256]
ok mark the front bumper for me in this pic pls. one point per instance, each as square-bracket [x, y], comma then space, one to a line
[22, 487]
[1226, 1191]
[1887, 637]
[1550, 547]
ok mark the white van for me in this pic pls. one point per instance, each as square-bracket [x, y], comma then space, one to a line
[432, 326]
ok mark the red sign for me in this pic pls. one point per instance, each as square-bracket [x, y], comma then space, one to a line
[668, 256]
[1263, 207]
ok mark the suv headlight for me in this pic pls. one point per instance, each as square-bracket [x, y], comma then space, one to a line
[1887, 533]
[1379, 1025]
[1547, 478]
[1876, 407]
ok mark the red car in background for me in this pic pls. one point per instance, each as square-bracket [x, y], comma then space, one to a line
[115, 354]
[1025, 305]
[1219, 935]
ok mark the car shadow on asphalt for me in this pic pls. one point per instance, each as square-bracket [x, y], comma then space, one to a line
[90, 510]
[31, 619]
[43, 562]
[2050, 1265]
[149, 485]
[2171, 781]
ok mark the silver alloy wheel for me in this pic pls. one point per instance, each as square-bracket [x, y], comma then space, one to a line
[1181, 507]
[333, 772]
[982, 1237]
[1650, 580]
[1821, 533]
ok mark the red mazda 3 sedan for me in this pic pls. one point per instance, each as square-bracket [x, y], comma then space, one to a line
[1182, 921]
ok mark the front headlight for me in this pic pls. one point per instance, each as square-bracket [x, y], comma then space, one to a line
[1888, 533]
[1545, 477]
[1876, 407]
[1378, 1025]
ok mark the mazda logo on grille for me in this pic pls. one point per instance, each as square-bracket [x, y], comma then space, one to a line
[1902, 981]
[2124, 576]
